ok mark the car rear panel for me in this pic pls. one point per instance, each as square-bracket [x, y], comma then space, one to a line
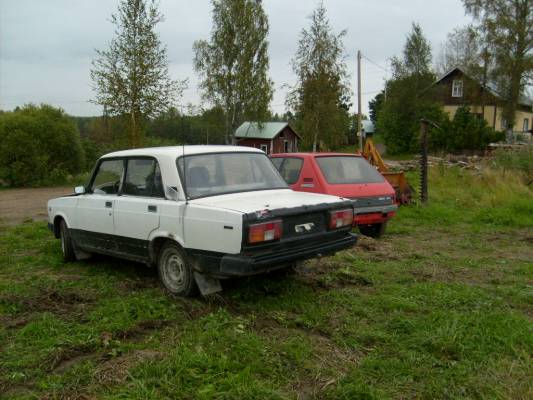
[300, 224]
[304, 224]
[374, 201]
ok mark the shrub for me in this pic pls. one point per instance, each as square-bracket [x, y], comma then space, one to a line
[466, 131]
[38, 145]
[92, 151]
[398, 120]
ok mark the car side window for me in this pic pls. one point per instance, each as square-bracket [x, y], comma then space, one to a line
[108, 177]
[143, 178]
[289, 168]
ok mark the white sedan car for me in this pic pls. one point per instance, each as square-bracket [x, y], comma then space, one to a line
[198, 213]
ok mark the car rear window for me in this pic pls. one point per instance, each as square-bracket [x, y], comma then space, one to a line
[348, 169]
[289, 168]
[214, 174]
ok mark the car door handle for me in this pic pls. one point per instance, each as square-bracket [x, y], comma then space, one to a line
[109, 204]
[152, 208]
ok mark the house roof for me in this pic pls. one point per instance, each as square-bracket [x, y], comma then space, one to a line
[268, 130]
[490, 87]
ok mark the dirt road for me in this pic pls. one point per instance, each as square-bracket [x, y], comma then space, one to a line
[18, 205]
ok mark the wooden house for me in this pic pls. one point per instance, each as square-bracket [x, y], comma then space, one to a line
[457, 89]
[271, 137]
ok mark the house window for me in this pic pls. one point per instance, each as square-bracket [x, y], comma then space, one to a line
[287, 146]
[526, 125]
[457, 89]
[504, 124]
[264, 148]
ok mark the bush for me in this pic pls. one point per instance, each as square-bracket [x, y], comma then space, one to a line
[92, 151]
[38, 145]
[466, 131]
[398, 120]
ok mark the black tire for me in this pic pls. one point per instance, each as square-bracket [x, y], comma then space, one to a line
[175, 270]
[374, 231]
[67, 246]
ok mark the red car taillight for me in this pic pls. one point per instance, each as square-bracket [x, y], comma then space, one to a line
[340, 219]
[264, 232]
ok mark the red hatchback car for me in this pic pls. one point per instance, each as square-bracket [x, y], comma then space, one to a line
[345, 175]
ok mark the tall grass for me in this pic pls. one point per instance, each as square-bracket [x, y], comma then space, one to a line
[493, 196]
[519, 162]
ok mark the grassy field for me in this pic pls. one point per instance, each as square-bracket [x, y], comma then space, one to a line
[440, 308]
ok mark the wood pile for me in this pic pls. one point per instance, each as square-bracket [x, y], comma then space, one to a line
[465, 162]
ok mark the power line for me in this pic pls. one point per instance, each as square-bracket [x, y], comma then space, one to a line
[375, 63]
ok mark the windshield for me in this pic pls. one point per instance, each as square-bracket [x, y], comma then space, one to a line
[219, 173]
[348, 169]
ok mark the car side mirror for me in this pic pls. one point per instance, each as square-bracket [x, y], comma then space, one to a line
[79, 189]
[172, 193]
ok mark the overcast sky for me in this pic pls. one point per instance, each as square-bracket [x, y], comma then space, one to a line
[46, 47]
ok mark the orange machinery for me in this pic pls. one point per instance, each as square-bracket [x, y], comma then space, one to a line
[397, 179]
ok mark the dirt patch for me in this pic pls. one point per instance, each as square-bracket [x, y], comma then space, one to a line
[62, 303]
[14, 391]
[65, 357]
[330, 274]
[377, 249]
[140, 330]
[13, 323]
[147, 282]
[115, 370]
[22, 205]
[326, 357]
[67, 362]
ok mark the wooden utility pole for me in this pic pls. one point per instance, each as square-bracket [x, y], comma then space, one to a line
[485, 56]
[359, 114]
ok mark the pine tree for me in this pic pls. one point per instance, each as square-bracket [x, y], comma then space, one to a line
[409, 95]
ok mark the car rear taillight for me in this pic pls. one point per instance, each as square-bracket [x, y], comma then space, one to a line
[264, 232]
[340, 219]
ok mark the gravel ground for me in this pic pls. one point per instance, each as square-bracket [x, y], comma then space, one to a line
[18, 205]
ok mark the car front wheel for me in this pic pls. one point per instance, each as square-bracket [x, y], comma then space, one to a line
[175, 270]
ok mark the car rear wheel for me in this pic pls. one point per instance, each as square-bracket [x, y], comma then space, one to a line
[67, 246]
[374, 231]
[175, 270]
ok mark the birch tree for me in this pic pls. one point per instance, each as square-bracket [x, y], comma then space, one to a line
[320, 98]
[131, 77]
[233, 64]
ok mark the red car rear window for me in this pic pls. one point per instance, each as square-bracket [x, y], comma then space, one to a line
[289, 168]
[348, 169]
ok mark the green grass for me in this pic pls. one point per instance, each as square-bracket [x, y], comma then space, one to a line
[440, 308]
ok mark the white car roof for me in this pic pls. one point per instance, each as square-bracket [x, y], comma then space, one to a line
[175, 151]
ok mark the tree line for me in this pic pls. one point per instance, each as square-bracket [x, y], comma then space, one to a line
[131, 77]
[496, 50]
[140, 100]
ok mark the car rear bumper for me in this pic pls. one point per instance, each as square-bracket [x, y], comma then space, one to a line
[374, 215]
[253, 264]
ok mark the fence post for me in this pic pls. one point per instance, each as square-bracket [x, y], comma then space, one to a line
[424, 125]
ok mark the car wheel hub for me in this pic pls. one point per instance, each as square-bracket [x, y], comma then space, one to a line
[175, 272]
